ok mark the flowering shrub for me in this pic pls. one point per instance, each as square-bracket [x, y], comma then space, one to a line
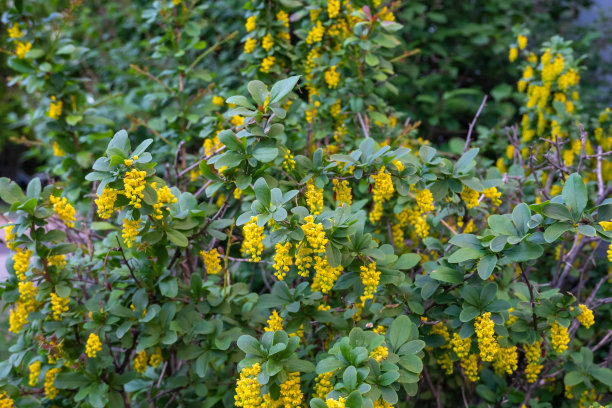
[294, 243]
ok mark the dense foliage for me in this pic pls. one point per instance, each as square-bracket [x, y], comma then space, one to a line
[236, 209]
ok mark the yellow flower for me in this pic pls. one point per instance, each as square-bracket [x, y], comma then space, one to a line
[513, 54]
[332, 77]
[236, 120]
[532, 355]
[18, 317]
[283, 17]
[339, 403]
[250, 23]
[471, 367]
[130, 231]
[303, 260]
[282, 260]
[379, 353]
[370, 278]
[267, 63]
[424, 200]
[445, 363]
[50, 390]
[314, 198]
[14, 31]
[343, 192]
[606, 225]
[34, 373]
[59, 305]
[57, 150]
[134, 182]
[212, 261]
[522, 42]
[164, 196]
[106, 202]
[492, 194]
[248, 390]
[218, 100]
[290, 391]
[140, 362]
[586, 317]
[506, 360]
[323, 385]
[267, 42]
[325, 276]
[461, 346]
[249, 45]
[315, 34]
[156, 358]
[64, 210]
[55, 108]
[485, 332]
[559, 337]
[21, 261]
[381, 191]
[253, 237]
[314, 234]
[289, 161]
[470, 197]
[93, 346]
[22, 49]
[333, 8]
[10, 237]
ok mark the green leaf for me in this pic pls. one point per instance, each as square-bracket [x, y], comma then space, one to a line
[34, 188]
[349, 378]
[501, 225]
[228, 138]
[354, 400]
[407, 261]
[573, 378]
[71, 381]
[556, 211]
[601, 374]
[121, 142]
[521, 216]
[328, 364]
[399, 333]
[265, 154]
[302, 366]
[554, 231]
[465, 162]
[486, 265]
[282, 88]
[446, 274]
[249, 345]
[468, 313]
[240, 101]
[10, 192]
[524, 251]
[258, 91]
[262, 192]
[464, 254]
[177, 238]
[575, 194]
[586, 230]
[466, 241]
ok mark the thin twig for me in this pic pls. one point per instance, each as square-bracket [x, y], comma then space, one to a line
[469, 135]
[128, 264]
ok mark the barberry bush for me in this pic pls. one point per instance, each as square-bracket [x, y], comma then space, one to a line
[233, 212]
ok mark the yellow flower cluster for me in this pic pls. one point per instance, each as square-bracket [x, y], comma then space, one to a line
[140, 362]
[50, 390]
[418, 221]
[212, 261]
[471, 367]
[610, 252]
[282, 260]
[303, 260]
[315, 34]
[487, 344]
[470, 197]
[248, 390]
[522, 42]
[106, 202]
[290, 392]
[275, 322]
[34, 373]
[343, 192]
[325, 276]
[492, 194]
[370, 278]
[63, 209]
[135, 183]
[333, 8]
[382, 191]
[314, 234]
[339, 403]
[323, 385]
[55, 108]
[14, 31]
[253, 237]
[513, 54]
[164, 196]
[10, 236]
[586, 317]
[283, 18]
[250, 23]
[18, 318]
[59, 305]
[559, 337]
[218, 100]
[93, 346]
[506, 360]
[21, 261]
[314, 198]
[424, 200]
[59, 261]
[27, 295]
[130, 231]
[332, 77]
[267, 42]
[22, 49]
[156, 358]
[379, 353]
[445, 362]
[461, 346]
[532, 355]
[289, 161]
[267, 63]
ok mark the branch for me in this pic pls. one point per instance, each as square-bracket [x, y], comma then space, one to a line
[128, 264]
[469, 135]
